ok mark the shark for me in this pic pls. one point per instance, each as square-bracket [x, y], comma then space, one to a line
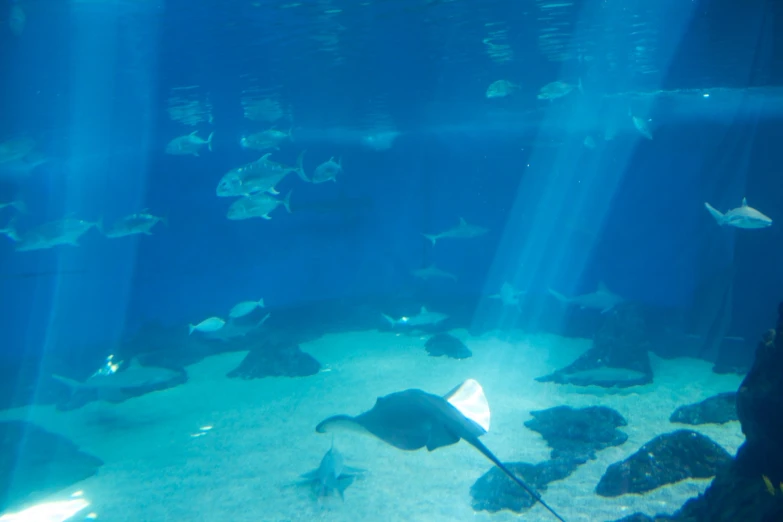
[602, 299]
[424, 317]
[462, 231]
[508, 295]
[332, 474]
[603, 376]
[234, 329]
[433, 271]
[414, 419]
[111, 384]
[743, 216]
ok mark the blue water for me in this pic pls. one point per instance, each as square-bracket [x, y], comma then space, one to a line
[91, 81]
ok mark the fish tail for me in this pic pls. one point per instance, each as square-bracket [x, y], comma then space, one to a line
[560, 297]
[209, 140]
[99, 225]
[19, 206]
[290, 133]
[392, 322]
[715, 213]
[10, 231]
[432, 237]
[287, 201]
[191, 329]
[260, 302]
[300, 166]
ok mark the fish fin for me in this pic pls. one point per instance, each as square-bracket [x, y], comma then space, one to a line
[469, 399]
[193, 133]
[209, 140]
[607, 309]
[744, 202]
[560, 297]
[287, 201]
[19, 206]
[273, 191]
[462, 221]
[300, 167]
[265, 156]
[290, 135]
[602, 287]
[719, 217]
[266, 216]
[432, 237]
[196, 154]
[392, 321]
[423, 310]
[70, 383]
[310, 475]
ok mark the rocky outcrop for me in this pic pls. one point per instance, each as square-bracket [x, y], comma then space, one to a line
[618, 357]
[719, 409]
[666, 459]
[749, 488]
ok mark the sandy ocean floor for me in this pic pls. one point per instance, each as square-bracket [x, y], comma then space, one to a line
[263, 436]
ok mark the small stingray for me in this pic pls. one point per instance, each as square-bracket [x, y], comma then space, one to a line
[414, 419]
[332, 474]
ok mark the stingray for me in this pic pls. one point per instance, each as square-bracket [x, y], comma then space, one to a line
[414, 419]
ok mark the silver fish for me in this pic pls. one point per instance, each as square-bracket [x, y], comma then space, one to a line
[140, 223]
[258, 176]
[501, 89]
[188, 144]
[264, 140]
[257, 205]
[327, 171]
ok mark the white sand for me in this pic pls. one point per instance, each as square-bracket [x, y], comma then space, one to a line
[263, 436]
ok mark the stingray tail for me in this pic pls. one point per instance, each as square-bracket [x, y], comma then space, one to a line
[533, 493]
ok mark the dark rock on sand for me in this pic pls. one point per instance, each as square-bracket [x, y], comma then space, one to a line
[276, 360]
[578, 433]
[35, 463]
[448, 345]
[495, 491]
[720, 409]
[666, 459]
[618, 357]
[739, 491]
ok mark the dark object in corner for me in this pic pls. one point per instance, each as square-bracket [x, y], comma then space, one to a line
[618, 357]
[35, 463]
[666, 459]
[276, 360]
[739, 491]
[448, 345]
[719, 409]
